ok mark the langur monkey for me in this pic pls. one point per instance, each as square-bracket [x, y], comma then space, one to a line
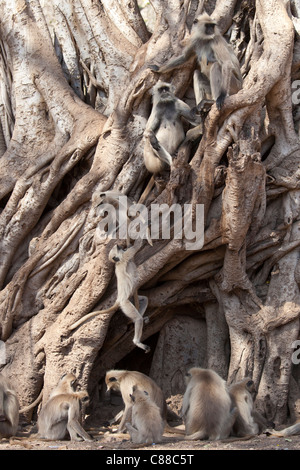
[124, 381]
[246, 420]
[216, 59]
[125, 270]
[206, 406]
[147, 425]
[9, 408]
[62, 412]
[164, 130]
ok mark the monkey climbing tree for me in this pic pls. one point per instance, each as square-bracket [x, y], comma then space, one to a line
[75, 99]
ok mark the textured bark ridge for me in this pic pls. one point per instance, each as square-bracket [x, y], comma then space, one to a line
[74, 104]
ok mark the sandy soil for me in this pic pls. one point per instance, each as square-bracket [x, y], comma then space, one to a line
[106, 440]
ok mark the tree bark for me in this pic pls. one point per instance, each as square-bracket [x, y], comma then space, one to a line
[74, 104]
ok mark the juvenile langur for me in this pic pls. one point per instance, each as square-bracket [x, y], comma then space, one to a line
[9, 408]
[125, 270]
[124, 381]
[147, 425]
[62, 412]
[245, 423]
[216, 59]
[164, 130]
[206, 406]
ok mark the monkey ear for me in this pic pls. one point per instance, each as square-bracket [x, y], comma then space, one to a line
[172, 88]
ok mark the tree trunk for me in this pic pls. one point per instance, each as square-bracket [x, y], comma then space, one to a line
[75, 99]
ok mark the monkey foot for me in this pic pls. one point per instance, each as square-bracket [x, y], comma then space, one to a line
[204, 106]
[273, 433]
[220, 100]
[153, 67]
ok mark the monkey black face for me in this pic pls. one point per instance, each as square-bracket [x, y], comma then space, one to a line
[112, 379]
[112, 383]
[209, 28]
[164, 89]
[250, 386]
[165, 92]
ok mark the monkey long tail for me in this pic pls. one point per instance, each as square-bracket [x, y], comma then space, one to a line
[93, 314]
[174, 429]
[196, 436]
[33, 404]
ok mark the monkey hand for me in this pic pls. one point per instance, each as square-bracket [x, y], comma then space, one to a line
[154, 68]
[204, 106]
[154, 142]
[194, 133]
[220, 100]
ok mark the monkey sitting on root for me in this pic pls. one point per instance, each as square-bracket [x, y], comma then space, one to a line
[164, 130]
[216, 58]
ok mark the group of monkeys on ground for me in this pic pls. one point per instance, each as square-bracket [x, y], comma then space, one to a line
[210, 409]
[220, 76]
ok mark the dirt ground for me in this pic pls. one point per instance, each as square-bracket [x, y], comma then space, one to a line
[106, 438]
